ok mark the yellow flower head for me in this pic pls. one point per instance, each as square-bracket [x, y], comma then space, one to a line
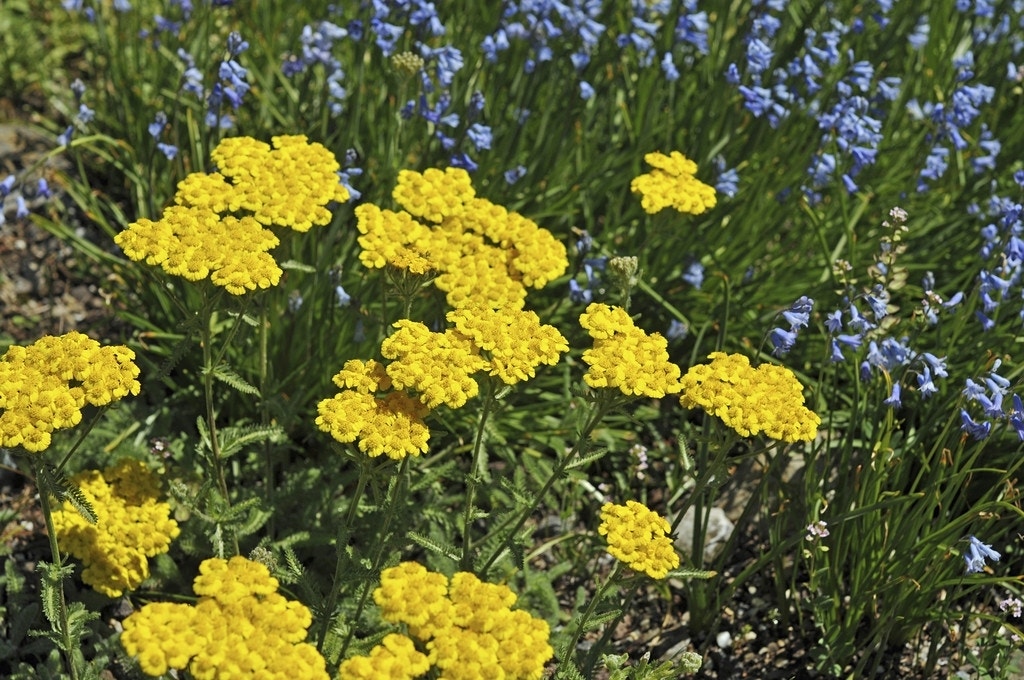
[478, 249]
[132, 524]
[287, 186]
[639, 537]
[433, 194]
[396, 658]
[671, 184]
[439, 366]
[396, 239]
[625, 357]
[241, 627]
[196, 243]
[469, 626]
[45, 386]
[514, 340]
[767, 399]
[390, 424]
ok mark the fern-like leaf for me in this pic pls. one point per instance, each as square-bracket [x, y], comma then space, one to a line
[229, 377]
[444, 549]
[57, 484]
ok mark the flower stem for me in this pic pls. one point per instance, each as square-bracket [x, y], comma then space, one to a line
[343, 533]
[476, 474]
[603, 404]
[64, 627]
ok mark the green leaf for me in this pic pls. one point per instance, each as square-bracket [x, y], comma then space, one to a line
[446, 550]
[57, 484]
[229, 377]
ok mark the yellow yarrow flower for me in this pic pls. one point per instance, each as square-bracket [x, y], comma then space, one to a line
[390, 424]
[479, 250]
[193, 242]
[625, 357]
[671, 184]
[433, 194]
[241, 627]
[396, 658]
[44, 386]
[439, 366]
[287, 186]
[639, 537]
[767, 399]
[514, 341]
[396, 239]
[132, 524]
[468, 625]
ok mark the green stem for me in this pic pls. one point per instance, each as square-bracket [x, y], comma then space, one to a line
[211, 420]
[606, 401]
[268, 453]
[343, 533]
[581, 623]
[62, 609]
[477, 474]
[396, 492]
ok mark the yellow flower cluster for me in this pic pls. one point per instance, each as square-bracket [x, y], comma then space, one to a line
[625, 357]
[468, 626]
[241, 627]
[437, 365]
[639, 537]
[514, 340]
[45, 386]
[375, 406]
[395, 658]
[288, 185]
[390, 424]
[132, 524]
[767, 399]
[671, 184]
[479, 250]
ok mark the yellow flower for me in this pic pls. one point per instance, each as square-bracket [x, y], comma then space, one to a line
[287, 186]
[671, 184]
[412, 595]
[396, 658]
[480, 250]
[433, 194]
[45, 386]
[469, 626]
[193, 242]
[391, 424]
[390, 238]
[639, 537]
[625, 357]
[241, 627]
[439, 366]
[515, 341]
[768, 399]
[131, 525]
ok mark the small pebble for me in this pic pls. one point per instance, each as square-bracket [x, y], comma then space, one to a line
[723, 640]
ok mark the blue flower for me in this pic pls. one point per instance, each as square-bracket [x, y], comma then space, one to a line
[676, 330]
[782, 341]
[168, 150]
[480, 135]
[586, 90]
[977, 430]
[978, 552]
[925, 385]
[1016, 417]
[6, 186]
[156, 128]
[834, 321]
[344, 299]
[513, 175]
[668, 67]
[799, 313]
[893, 401]
[693, 273]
